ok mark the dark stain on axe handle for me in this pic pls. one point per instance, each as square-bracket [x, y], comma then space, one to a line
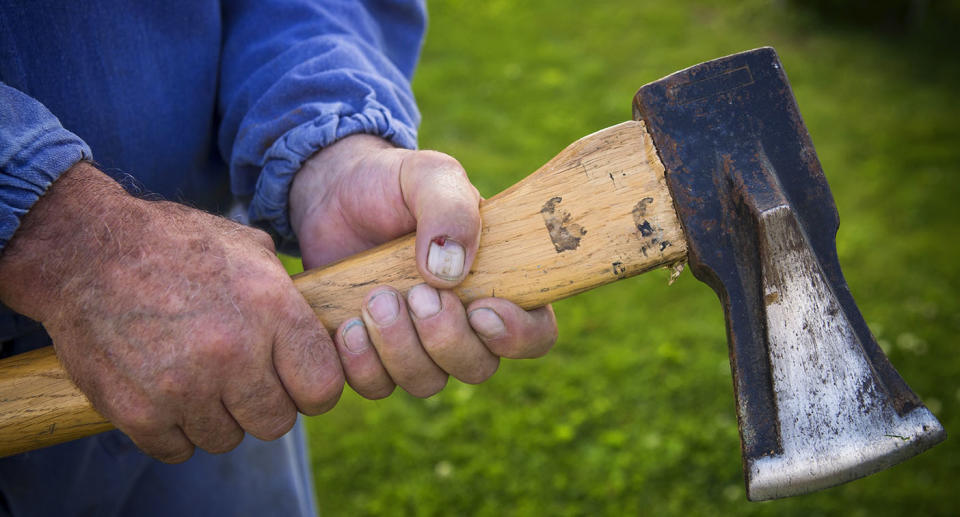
[564, 234]
[645, 229]
[618, 268]
[640, 210]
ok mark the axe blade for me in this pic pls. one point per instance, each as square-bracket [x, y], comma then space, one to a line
[818, 402]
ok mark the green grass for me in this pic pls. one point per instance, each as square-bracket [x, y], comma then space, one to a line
[632, 413]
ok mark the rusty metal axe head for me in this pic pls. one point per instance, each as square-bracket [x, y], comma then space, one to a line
[818, 402]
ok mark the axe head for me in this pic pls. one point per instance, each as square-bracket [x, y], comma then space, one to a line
[818, 402]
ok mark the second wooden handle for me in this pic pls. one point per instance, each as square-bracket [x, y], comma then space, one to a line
[598, 212]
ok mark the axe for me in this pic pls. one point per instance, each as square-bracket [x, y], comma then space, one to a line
[717, 170]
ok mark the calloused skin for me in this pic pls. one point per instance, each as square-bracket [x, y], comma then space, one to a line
[185, 331]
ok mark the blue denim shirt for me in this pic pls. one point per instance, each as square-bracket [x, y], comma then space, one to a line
[200, 101]
[205, 102]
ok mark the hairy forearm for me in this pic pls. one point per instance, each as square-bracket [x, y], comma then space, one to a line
[73, 225]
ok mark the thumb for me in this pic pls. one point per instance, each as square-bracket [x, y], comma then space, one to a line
[446, 206]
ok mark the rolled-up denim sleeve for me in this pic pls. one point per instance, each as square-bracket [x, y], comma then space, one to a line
[34, 151]
[297, 75]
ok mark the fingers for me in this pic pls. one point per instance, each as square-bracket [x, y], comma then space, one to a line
[447, 209]
[445, 334]
[398, 346]
[509, 331]
[260, 405]
[418, 340]
[306, 360]
[212, 428]
[169, 445]
[361, 364]
[146, 426]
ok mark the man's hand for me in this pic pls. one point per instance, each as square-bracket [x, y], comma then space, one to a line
[361, 192]
[182, 328]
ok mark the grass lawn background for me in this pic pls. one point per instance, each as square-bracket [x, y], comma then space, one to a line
[633, 412]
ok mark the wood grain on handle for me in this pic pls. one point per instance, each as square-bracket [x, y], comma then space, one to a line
[598, 212]
[40, 406]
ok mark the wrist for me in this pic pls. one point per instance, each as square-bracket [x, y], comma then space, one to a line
[319, 173]
[69, 229]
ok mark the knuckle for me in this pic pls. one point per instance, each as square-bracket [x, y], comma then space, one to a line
[531, 344]
[213, 432]
[442, 342]
[261, 407]
[375, 391]
[170, 384]
[369, 379]
[176, 455]
[138, 419]
[277, 426]
[545, 344]
[481, 371]
[261, 287]
[311, 372]
[437, 160]
[512, 349]
[168, 446]
[300, 326]
[426, 387]
[324, 397]
[220, 348]
[225, 442]
[468, 221]
[261, 237]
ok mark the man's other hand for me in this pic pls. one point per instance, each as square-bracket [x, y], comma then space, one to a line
[182, 328]
[361, 192]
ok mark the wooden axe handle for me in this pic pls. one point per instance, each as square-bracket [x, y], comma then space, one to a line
[598, 212]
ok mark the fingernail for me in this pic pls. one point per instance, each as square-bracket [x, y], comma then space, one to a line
[355, 337]
[487, 323]
[424, 301]
[384, 307]
[445, 258]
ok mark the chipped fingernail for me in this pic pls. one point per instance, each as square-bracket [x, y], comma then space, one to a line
[445, 258]
[487, 323]
[424, 301]
[355, 337]
[384, 307]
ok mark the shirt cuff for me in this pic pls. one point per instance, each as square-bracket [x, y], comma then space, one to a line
[36, 161]
[288, 153]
